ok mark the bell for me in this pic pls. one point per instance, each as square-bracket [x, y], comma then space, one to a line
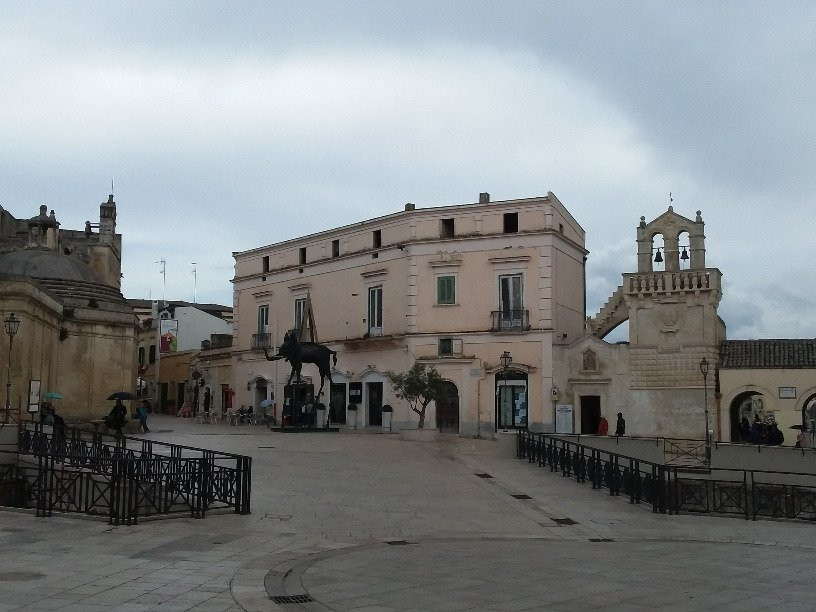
[658, 257]
[684, 254]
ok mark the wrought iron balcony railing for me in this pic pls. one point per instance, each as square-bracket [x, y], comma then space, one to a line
[510, 320]
[262, 340]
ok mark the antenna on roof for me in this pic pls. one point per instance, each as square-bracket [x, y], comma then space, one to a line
[111, 185]
[163, 264]
[671, 199]
[195, 280]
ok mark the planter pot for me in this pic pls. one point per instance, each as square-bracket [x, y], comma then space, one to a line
[387, 413]
[419, 435]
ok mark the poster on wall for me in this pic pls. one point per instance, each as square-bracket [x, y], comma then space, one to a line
[34, 396]
[169, 335]
[563, 419]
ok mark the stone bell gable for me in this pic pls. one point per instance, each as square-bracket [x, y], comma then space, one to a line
[671, 304]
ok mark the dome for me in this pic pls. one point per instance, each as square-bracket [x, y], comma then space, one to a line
[45, 263]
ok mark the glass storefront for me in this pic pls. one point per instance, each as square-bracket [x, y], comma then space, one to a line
[511, 401]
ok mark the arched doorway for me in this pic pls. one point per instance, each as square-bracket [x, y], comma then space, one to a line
[809, 419]
[260, 392]
[447, 409]
[747, 405]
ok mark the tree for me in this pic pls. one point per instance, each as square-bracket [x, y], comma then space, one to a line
[419, 387]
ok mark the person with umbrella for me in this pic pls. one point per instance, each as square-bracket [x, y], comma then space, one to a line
[118, 414]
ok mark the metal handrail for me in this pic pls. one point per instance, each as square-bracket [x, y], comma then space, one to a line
[667, 489]
[78, 472]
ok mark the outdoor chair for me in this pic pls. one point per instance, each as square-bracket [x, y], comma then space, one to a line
[232, 418]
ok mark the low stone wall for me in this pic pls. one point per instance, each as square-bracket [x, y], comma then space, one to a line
[724, 456]
[647, 449]
[771, 458]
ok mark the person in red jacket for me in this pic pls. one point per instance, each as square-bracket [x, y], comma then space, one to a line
[603, 427]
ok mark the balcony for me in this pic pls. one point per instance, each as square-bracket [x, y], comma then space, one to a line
[262, 340]
[510, 320]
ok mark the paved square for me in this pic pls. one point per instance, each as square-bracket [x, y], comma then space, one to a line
[360, 521]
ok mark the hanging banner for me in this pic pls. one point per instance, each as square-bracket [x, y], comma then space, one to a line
[169, 335]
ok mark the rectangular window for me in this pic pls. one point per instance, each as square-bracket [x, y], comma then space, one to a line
[446, 347]
[446, 229]
[376, 239]
[445, 289]
[511, 306]
[152, 354]
[263, 319]
[265, 264]
[300, 312]
[510, 223]
[375, 310]
[335, 248]
[302, 255]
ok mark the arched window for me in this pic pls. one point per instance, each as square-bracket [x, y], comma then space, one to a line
[684, 248]
[658, 253]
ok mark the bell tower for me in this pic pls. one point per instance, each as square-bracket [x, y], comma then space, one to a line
[673, 323]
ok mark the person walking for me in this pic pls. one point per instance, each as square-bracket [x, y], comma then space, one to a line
[141, 413]
[116, 417]
[620, 427]
[603, 426]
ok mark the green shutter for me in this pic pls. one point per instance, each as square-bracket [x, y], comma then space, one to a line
[446, 290]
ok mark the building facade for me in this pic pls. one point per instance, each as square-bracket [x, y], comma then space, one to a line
[453, 287]
[654, 379]
[77, 335]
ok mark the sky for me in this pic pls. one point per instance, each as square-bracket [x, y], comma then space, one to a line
[228, 126]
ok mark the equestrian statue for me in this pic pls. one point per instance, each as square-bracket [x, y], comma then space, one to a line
[297, 353]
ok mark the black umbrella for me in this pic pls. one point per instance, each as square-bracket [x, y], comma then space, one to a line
[121, 395]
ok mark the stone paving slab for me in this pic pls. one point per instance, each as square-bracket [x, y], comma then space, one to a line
[324, 505]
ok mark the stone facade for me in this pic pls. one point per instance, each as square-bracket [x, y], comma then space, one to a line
[453, 287]
[673, 325]
[77, 334]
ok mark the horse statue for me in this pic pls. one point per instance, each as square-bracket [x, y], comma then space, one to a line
[297, 353]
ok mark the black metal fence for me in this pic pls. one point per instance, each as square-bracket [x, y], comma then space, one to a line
[124, 478]
[669, 489]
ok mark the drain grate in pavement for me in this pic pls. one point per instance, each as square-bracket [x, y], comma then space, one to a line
[521, 496]
[397, 542]
[601, 540]
[565, 521]
[292, 599]
[483, 475]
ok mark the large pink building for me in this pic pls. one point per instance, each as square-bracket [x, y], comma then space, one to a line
[453, 287]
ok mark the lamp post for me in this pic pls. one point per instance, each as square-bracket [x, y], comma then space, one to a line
[506, 360]
[12, 324]
[704, 370]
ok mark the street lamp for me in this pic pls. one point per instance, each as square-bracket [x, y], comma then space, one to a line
[704, 369]
[506, 360]
[12, 324]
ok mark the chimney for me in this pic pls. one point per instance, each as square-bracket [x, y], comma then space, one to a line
[410, 206]
[484, 198]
